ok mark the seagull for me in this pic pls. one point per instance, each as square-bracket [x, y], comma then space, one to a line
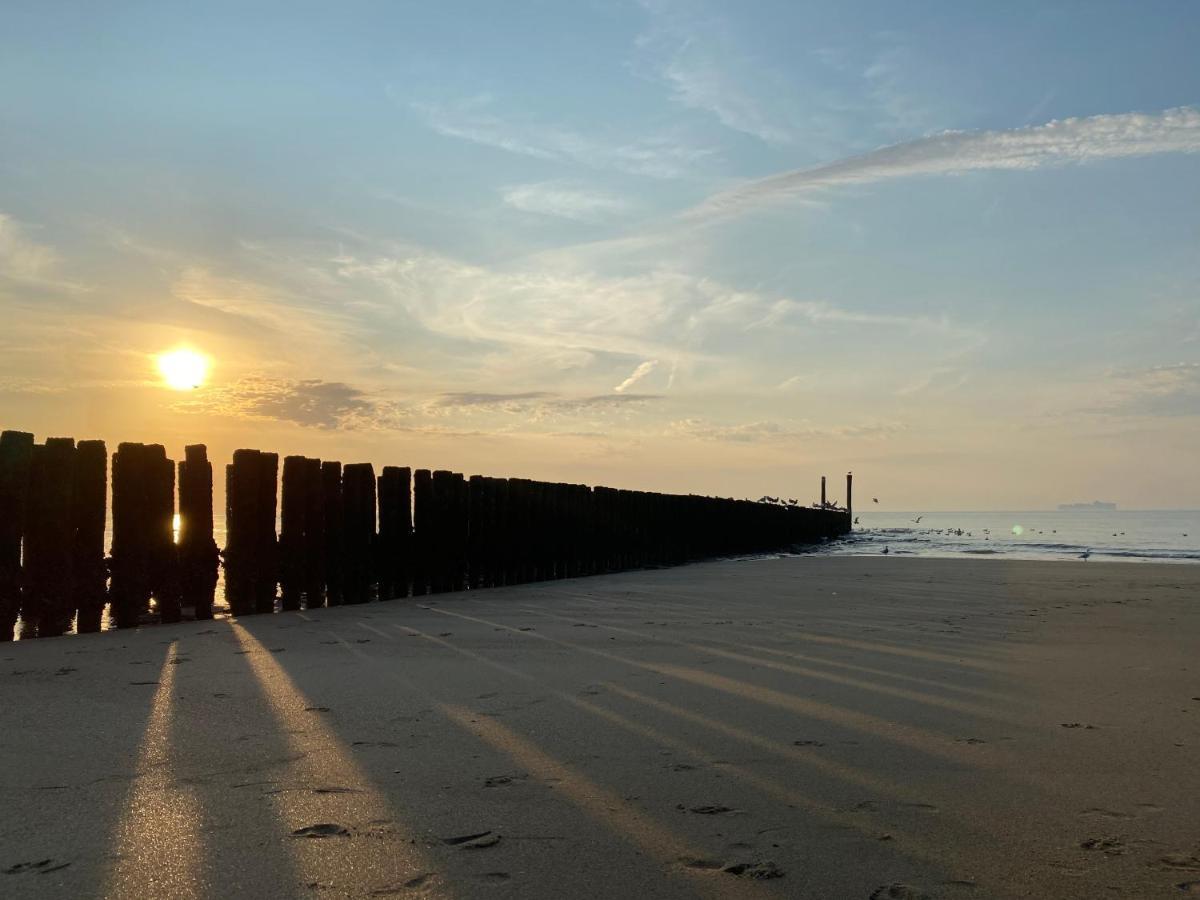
[885, 551]
[856, 520]
[1085, 554]
[874, 499]
[917, 520]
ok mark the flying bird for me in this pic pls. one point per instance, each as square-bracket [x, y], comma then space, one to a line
[874, 499]
[917, 520]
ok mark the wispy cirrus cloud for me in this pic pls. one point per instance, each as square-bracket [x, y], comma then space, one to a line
[1167, 390]
[637, 375]
[474, 119]
[536, 404]
[770, 431]
[1057, 143]
[565, 200]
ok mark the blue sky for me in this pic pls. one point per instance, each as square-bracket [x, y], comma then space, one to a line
[674, 245]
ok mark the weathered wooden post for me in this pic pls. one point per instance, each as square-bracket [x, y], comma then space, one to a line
[331, 498]
[163, 554]
[395, 527]
[129, 566]
[198, 555]
[46, 561]
[358, 530]
[16, 456]
[89, 506]
[423, 526]
[442, 551]
[267, 569]
[292, 528]
[850, 497]
[314, 534]
[241, 505]
[823, 503]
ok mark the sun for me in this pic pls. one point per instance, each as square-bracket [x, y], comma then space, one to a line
[183, 369]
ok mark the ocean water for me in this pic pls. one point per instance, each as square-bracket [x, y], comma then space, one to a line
[1126, 535]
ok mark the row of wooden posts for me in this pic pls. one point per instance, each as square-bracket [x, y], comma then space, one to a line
[345, 535]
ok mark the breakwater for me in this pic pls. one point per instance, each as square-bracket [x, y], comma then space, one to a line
[312, 533]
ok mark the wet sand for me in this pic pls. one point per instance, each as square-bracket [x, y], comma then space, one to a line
[804, 727]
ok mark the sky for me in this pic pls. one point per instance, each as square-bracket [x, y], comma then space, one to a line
[669, 245]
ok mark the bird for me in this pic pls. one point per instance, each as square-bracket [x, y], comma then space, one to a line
[1085, 554]
[917, 520]
[885, 551]
[874, 499]
[856, 520]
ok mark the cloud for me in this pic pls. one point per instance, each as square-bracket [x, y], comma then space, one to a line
[1061, 142]
[768, 431]
[310, 402]
[637, 375]
[534, 404]
[566, 201]
[22, 258]
[1168, 390]
[473, 120]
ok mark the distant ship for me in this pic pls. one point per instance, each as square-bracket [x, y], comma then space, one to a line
[1095, 504]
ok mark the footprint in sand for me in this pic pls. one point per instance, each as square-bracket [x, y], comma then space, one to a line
[41, 867]
[1107, 846]
[1187, 862]
[898, 891]
[322, 830]
[1189, 887]
[474, 841]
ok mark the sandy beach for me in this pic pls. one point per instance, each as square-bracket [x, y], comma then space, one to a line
[803, 727]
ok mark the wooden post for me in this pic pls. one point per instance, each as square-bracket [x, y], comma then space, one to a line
[423, 525]
[16, 456]
[395, 527]
[267, 560]
[358, 530]
[46, 562]
[850, 497]
[89, 502]
[331, 499]
[823, 503]
[314, 535]
[292, 527]
[163, 554]
[198, 555]
[241, 505]
[129, 566]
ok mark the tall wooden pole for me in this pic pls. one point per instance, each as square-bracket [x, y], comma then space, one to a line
[47, 557]
[850, 498]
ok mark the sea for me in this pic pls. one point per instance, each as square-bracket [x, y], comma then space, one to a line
[1171, 536]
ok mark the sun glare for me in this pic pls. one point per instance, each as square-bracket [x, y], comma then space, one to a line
[183, 369]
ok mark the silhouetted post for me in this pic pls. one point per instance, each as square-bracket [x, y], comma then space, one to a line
[16, 457]
[292, 527]
[331, 498]
[241, 506]
[129, 565]
[423, 531]
[442, 554]
[395, 526]
[47, 553]
[850, 498]
[163, 554]
[89, 502]
[823, 503]
[358, 531]
[198, 555]
[266, 574]
[314, 535]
